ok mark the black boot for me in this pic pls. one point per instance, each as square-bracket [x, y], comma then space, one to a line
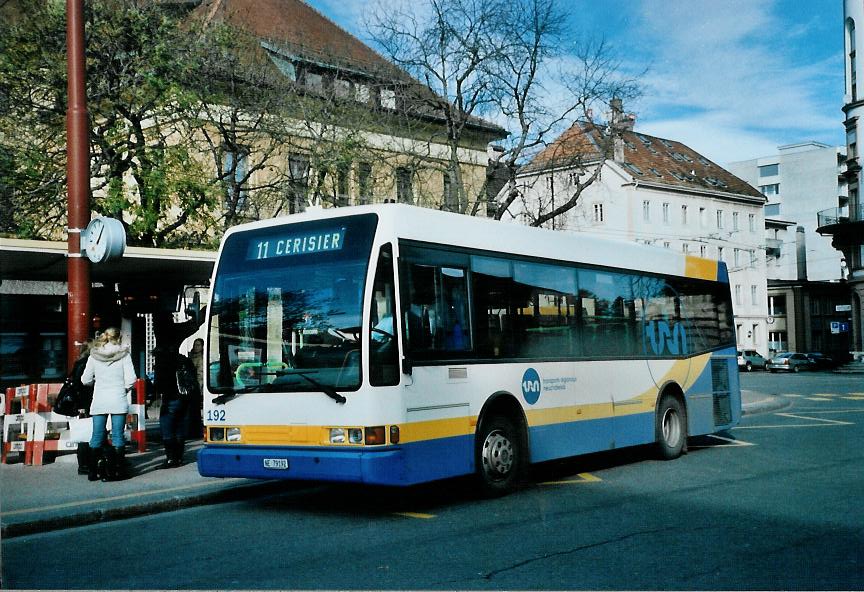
[110, 465]
[169, 453]
[179, 446]
[93, 458]
[83, 454]
[122, 471]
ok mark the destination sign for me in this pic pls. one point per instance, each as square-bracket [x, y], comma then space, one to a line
[288, 244]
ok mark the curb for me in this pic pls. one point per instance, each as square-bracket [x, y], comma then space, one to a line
[765, 404]
[234, 493]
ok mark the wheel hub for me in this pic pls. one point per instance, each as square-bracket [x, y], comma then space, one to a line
[671, 428]
[497, 454]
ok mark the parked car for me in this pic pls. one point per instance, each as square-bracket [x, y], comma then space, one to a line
[821, 361]
[749, 359]
[790, 362]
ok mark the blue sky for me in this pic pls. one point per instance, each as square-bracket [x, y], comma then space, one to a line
[732, 79]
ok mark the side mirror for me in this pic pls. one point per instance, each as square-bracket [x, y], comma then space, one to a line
[407, 366]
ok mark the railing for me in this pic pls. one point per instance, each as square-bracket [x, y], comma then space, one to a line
[831, 216]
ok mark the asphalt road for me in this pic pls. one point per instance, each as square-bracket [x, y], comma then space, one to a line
[775, 504]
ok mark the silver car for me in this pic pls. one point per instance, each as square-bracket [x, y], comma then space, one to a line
[749, 359]
[790, 362]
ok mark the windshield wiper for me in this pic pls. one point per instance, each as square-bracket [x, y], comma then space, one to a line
[327, 390]
[229, 393]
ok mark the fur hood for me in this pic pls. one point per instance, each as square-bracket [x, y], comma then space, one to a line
[110, 352]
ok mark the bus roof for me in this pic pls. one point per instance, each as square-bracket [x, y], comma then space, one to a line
[422, 224]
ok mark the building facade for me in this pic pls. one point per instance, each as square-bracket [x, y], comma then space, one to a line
[662, 193]
[845, 224]
[797, 180]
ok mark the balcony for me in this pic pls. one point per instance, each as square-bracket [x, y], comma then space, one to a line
[846, 224]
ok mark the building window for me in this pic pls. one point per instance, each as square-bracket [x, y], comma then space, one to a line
[777, 306]
[388, 98]
[752, 220]
[719, 253]
[298, 169]
[314, 82]
[770, 190]
[753, 299]
[666, 213]
[341, 88]
[853, 74]
[737, 293]
[646, 210]
[361, 93]
[364, 183]
[734, 220]
[703, 251]
[684, 215]
[719, 218]
[235, 171]
[404, 186]
[451, 196]
[685, 248]
[703, 217]
[737, 257]
[772, 209]
[342, 185]
[598, 212]
[769, 170]
[667, 245]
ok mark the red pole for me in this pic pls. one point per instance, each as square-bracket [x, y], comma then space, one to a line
[78, 179]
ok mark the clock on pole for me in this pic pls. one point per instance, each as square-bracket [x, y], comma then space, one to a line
[103, 239]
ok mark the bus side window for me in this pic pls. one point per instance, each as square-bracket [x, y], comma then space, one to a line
[436, 315]
[384, 353]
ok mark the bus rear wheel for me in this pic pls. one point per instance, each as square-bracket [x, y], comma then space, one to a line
[671, 428]
[499, 456]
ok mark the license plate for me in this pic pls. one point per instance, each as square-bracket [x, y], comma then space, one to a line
[276, 463]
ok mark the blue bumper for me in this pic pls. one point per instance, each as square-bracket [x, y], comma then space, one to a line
[381, 466]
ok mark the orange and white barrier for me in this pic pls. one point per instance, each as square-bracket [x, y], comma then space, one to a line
[31, 427]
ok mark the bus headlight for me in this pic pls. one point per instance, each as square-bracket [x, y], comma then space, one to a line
[232, 434]
[337, 435]
[355, 435]
[217, 434]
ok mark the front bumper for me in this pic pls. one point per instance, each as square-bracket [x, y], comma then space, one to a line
[381, 466]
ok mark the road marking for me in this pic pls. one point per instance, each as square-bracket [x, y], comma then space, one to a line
[415, 515]
[820, 398]
[855, 398]
[793, 396]
[114, 498]
[730, 442]
[829, 421]
[824, 422]
[583, 478]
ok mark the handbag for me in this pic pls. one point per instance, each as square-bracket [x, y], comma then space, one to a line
[187, 378]
[66, 402]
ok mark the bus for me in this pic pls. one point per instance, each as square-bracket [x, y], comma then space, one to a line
[395, 345]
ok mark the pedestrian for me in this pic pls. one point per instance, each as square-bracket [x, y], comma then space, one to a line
[195, 409]
[109, 369]
[83, 399]
[172, 413]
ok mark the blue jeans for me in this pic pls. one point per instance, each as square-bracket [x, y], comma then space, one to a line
[118, 424]
[172, 420]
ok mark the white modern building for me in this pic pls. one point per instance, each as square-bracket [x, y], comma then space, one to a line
[662, 193]
[798, 181]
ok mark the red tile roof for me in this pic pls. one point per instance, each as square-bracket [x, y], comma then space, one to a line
[647, 159]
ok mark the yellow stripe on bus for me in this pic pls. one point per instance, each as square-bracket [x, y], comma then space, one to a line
[704, 269]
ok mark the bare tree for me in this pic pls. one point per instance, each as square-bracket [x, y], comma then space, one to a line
[507, 60]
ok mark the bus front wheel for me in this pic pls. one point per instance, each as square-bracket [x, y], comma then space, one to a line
[671, 428]
[499, 456]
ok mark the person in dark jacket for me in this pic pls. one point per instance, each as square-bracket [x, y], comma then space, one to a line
[172, 414]
[83, 398]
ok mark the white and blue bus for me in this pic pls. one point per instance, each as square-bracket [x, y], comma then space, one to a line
[396, 345]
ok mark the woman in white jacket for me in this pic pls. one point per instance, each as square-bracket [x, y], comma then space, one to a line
[110, 368]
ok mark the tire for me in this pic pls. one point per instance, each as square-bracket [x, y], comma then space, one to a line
[772, 370]
[749, 367]
[796, 369]
[500, 456]
[671, 428]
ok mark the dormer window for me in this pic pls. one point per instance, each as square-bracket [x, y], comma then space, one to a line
[388, 98]
[644, 139]
[715, 182]
[680, 157]
[633, 168]
[655, 172]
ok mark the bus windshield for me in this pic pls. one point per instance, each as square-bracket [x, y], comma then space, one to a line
[287, 308]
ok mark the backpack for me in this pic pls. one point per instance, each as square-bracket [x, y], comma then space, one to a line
[66, 402]
[187, 378]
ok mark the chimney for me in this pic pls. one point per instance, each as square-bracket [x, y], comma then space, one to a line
[619, 123]
[801, 253]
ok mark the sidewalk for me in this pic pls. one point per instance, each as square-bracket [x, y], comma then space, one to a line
[53, 496]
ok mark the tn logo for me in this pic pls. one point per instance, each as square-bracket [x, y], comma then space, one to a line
[664, 338]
